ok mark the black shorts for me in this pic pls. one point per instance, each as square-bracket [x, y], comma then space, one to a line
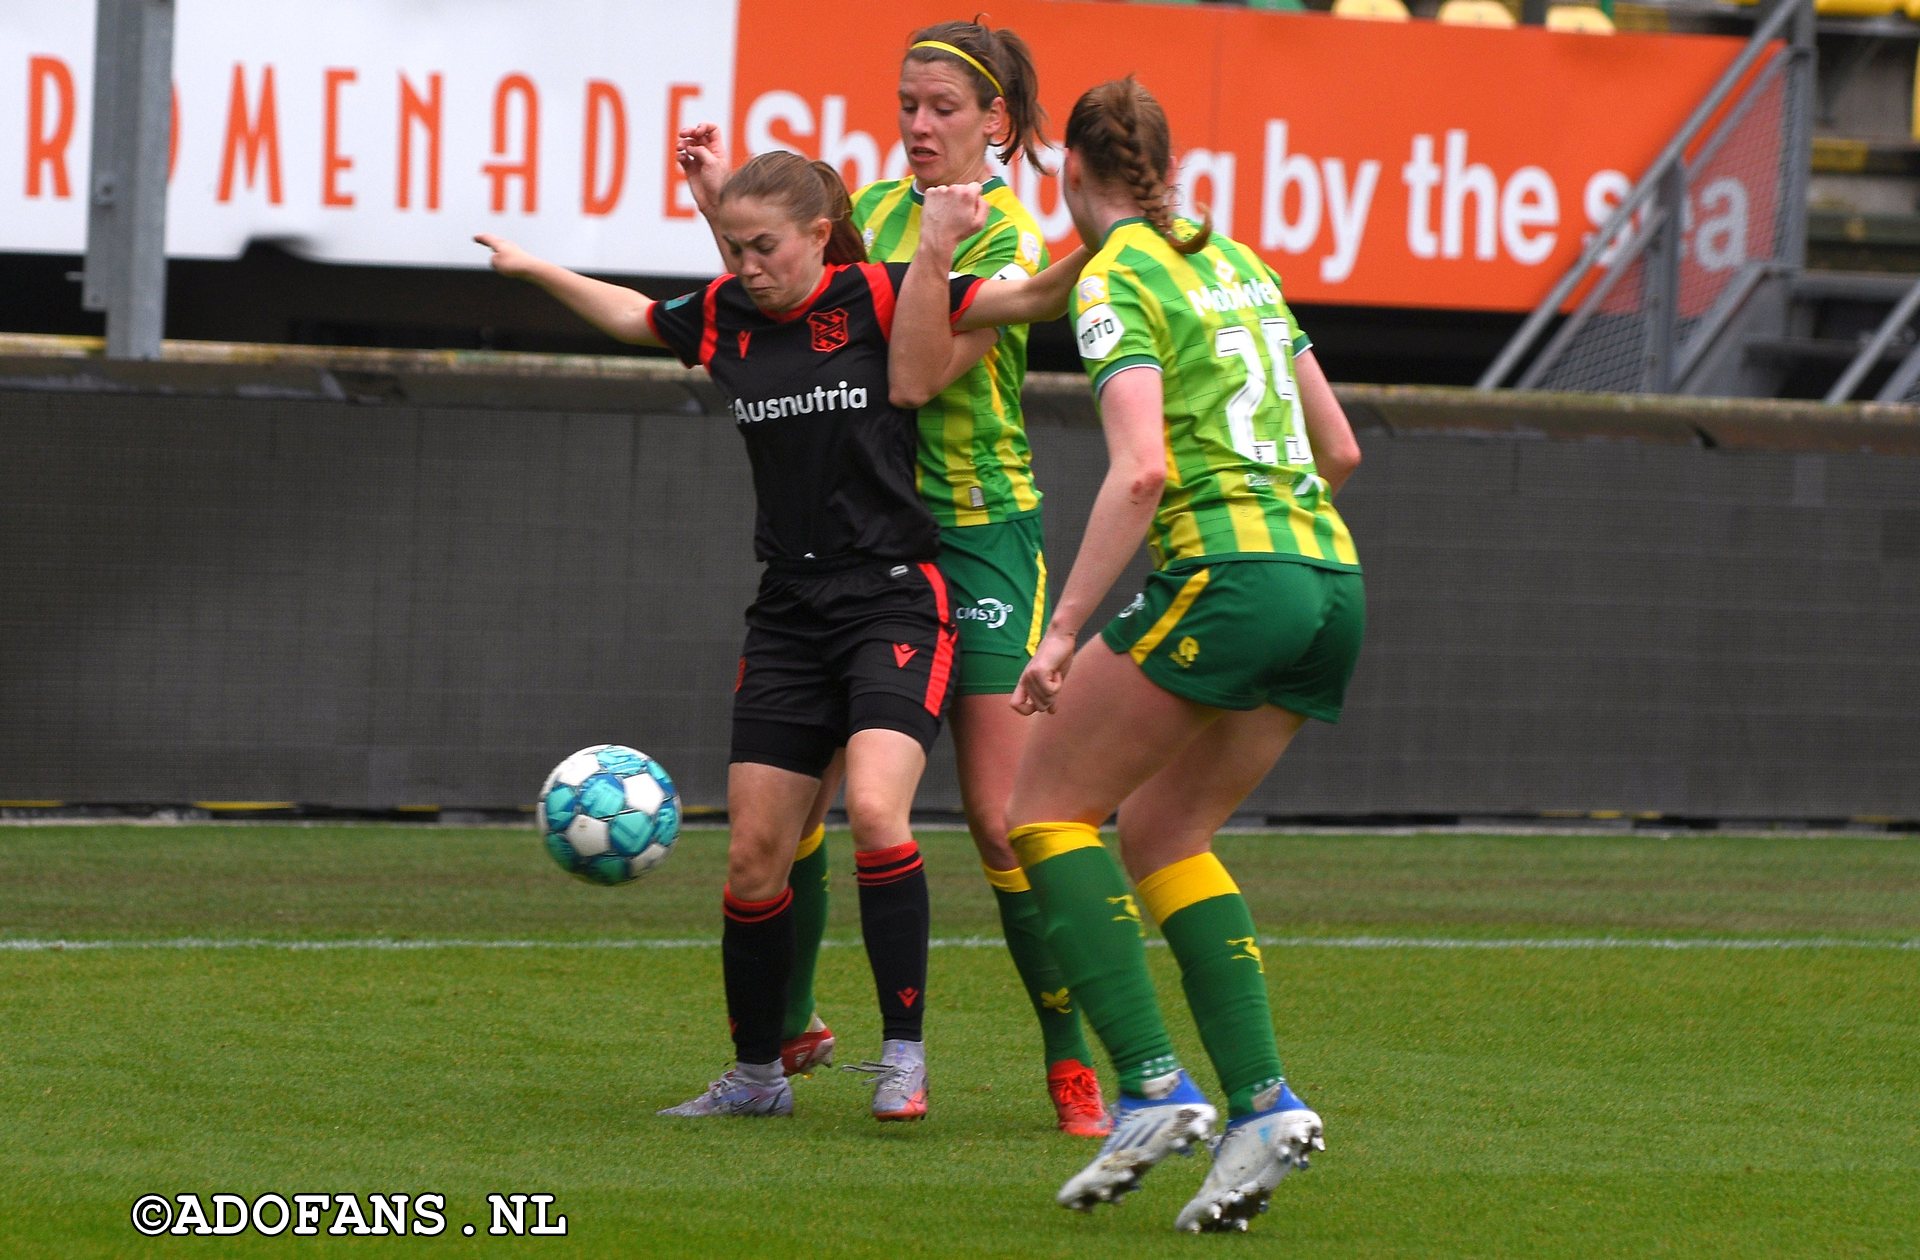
[830, 654]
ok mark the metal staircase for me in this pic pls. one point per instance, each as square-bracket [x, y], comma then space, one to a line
[1645, 310]
[1849, 336]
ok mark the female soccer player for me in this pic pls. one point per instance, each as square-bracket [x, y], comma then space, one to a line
[850, 636]
[965, 89]
[1226, 446]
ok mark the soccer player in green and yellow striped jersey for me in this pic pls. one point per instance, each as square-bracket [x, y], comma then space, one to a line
[1241, 477]
[1226, 446]
[975, 468]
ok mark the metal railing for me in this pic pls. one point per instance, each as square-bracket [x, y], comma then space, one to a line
[1655, 302]
[1876, 346]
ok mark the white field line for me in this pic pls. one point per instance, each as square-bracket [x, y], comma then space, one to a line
[20, 945]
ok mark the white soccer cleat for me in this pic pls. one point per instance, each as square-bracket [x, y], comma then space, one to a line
[735, 1095]
[1169, 1119]
[899, 1080]
[1249, 1160]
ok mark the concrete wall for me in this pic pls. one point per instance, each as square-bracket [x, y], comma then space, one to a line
[371, 581]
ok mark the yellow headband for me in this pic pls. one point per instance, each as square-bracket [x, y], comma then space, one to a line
[966, 57]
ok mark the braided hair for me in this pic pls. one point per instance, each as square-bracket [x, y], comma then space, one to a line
[1007, 59]
[1120, 133]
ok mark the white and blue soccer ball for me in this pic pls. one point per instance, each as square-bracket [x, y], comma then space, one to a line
[609, 814]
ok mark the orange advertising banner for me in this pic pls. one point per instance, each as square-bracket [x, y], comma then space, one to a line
[1371, 163]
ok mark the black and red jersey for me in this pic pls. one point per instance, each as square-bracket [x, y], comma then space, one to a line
[832, 458]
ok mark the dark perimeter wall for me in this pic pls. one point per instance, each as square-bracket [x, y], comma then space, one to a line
[380, 581]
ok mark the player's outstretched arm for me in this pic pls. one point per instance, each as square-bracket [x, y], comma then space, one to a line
[1132, 417]
[924, 356]
[1029, 301]
[614, 309]
[1335, 452]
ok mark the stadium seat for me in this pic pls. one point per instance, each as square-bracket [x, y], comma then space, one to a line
[1378, 10]
[1856, 8]
[1271, 6]
[1583, 18]
[1476, 13]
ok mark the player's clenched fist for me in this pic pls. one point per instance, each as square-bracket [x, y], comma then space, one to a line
[953, 212]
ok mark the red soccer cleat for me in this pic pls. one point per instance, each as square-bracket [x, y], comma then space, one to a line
[1076, 1099]
[811, 1049]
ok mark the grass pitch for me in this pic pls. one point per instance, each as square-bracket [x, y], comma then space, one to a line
[1569, 1046]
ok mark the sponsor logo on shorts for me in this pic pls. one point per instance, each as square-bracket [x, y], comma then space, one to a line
[902, 653]
[1137, 603]
[1187, 652]
[992, 611]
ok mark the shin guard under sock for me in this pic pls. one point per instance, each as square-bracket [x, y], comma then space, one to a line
[756, 955]
[810, 902]
[894, 922]
[1208, 926]
[1094, 930]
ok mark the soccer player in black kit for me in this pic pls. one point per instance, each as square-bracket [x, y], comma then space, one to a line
[850, 638]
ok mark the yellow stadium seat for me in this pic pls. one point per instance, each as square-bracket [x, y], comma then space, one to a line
[1856, 8]
[1476, 13]
[1913, 9]
[1916, 97]
[1381, 10]
[1583, 18]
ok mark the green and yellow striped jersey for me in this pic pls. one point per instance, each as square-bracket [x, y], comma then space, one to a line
[974, 464]
[1240, 472]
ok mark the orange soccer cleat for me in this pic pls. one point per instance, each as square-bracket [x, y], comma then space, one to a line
[1076, 1099]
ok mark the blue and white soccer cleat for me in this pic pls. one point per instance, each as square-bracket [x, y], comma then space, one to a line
[1170, 1118]
[1250, 1159]
[735, 1095]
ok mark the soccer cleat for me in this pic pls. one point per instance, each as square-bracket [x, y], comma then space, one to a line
[1172, 1115]
[1249, 1160]
[811, 1049]
[899, 1080]
[734, 1095]
[1076, 1099]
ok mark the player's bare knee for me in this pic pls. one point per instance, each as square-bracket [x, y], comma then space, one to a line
[756, 868]
[877, 817]
[992, 845]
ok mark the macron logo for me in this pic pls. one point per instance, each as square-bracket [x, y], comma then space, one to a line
[902, 653]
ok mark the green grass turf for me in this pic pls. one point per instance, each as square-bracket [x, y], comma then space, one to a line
[1503, 1100]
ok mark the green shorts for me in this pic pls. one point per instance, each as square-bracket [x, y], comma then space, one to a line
[1238, 634]
[998, 578]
